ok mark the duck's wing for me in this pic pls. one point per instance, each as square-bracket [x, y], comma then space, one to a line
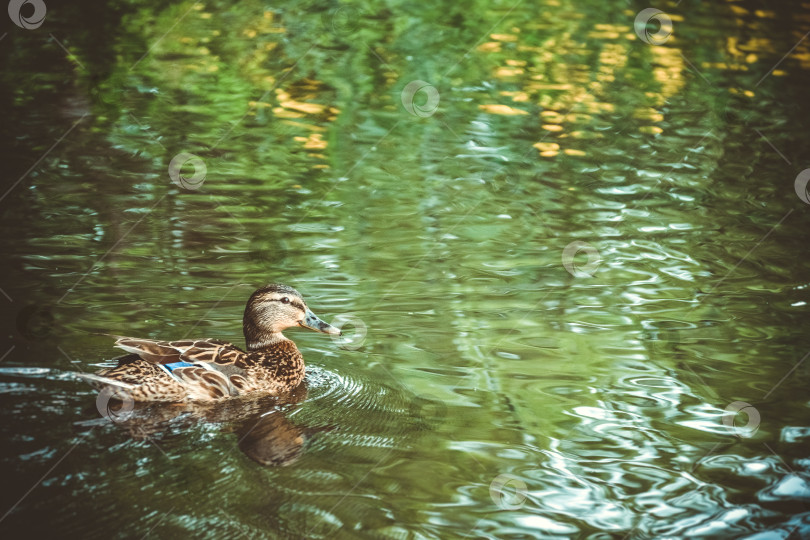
[208, 368]
[185, 350]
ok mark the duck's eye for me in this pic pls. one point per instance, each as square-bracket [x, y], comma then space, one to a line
[285, 300]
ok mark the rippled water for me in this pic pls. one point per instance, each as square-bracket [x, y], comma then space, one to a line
[655, 390]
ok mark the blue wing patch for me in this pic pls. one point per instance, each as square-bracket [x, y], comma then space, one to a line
[174, 365]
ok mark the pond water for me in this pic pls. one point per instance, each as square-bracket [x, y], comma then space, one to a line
[571, 251]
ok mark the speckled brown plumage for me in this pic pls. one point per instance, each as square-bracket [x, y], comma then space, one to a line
[213, 370]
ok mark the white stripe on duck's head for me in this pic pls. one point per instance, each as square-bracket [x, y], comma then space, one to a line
[274, 308]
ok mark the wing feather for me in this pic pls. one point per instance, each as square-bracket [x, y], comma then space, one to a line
[167, 352]
[218, 370]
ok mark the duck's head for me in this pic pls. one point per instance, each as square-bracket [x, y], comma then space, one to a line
[274, 308]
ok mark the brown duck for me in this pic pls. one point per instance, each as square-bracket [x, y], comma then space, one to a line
[213, 370]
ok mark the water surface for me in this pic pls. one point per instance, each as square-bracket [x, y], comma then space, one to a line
[495, 394]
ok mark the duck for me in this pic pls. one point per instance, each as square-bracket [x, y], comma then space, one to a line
[211, 370]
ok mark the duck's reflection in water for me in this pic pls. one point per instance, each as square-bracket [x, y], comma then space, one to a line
[261, 426]
[271, 439]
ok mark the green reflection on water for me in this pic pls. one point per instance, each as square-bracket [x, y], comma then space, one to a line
[444, 232]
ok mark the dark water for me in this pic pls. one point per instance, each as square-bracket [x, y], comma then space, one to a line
[658, 389]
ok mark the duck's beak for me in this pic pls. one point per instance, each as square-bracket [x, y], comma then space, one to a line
[312, 322]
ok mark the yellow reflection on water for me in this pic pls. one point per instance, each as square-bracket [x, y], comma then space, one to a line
[496, 108]
[574, 95]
